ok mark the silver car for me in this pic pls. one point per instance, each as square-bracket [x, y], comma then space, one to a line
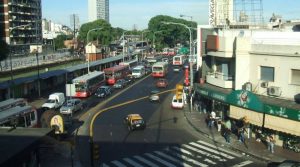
[71, 106]
[154, 96]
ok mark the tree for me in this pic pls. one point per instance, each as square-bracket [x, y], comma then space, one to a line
[103, 36]
[59, 41]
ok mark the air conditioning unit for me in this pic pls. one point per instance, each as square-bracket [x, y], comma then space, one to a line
[274, 91]
[264, 84]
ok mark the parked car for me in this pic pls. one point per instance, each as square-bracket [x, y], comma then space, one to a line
[134, 121]
[103, 91]
[162, 83]
[71, 106]
[121, 83]
[154, 96]
[177, 103]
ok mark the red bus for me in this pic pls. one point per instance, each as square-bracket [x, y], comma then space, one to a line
[87, 84]
[115, 73]
[160, 69]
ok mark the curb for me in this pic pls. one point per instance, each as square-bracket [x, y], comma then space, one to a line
[232, 148]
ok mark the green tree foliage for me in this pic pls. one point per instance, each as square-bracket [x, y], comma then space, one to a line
[59, 40]
[103, 36]
[4, 50]
[171, 34]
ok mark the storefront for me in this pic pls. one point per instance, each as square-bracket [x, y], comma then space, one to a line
[268, 114]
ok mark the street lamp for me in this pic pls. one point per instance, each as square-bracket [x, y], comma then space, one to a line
[11, 95]
[191, 17]
[143, 42]
[87, 40]
[123, 44]
[191, 63]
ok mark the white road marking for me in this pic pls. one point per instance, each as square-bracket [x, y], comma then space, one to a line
[145, 161]
[172, 159]
[204, 153]
[104, 165]
[131, 162]
[160, 160]
[219, 148]
[118, 164]
[243, 164]
[211, 150]
[188, 159]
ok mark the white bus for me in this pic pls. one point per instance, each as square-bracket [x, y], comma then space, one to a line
[178, 60]
[130, 63]
[160, 69]
[19, 116]
[138, 71]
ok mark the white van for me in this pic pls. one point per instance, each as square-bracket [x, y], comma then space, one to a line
[138, 72]
[54, 101]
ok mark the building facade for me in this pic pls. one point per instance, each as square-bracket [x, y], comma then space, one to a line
[98, 9]
[20, 24]
[253, 74]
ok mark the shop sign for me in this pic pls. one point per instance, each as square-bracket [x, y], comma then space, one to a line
[282, 112]
[212, 94]
[245, 99]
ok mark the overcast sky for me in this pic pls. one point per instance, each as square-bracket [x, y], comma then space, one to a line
[127, 13]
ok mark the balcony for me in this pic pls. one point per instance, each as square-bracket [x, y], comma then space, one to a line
[220, 80]
[220, 46]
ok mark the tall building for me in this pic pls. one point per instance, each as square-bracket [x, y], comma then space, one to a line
[98, 9]
[20, 24]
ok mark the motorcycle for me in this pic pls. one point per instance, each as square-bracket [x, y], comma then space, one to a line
[291, 144]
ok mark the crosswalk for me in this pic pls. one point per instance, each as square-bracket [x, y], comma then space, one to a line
[198, 153]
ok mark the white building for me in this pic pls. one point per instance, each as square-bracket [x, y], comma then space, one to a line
[98, 9]
[253, 74]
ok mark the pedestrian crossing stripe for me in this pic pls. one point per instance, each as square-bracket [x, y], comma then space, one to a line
[185, 155]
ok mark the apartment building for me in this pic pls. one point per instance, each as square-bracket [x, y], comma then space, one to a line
[253, 74]
[20, 24]
[98, 9]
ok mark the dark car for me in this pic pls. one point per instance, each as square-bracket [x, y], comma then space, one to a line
[103, 91]
[121, 83]
[129, 80]
[285, 163]
[162, 83]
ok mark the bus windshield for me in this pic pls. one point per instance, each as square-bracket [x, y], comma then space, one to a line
[136, 70]
[109, 76]
[80, 87]
[157, 69]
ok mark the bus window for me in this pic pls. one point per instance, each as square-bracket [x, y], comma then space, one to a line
[80, 87]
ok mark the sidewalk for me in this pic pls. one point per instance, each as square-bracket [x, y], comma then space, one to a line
[252, 148]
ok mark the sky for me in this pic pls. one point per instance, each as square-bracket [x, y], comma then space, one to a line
[129, 13]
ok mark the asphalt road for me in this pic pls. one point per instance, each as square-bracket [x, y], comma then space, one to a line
[168, 139]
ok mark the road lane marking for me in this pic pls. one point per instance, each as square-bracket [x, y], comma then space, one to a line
[186, 158]
[172, 159]
[160, 160]
[131, 162]
[145, 161]
[204, 153]
[243, 163]
[219, 148]
[118, 164]
[211, 150]
[104, 165]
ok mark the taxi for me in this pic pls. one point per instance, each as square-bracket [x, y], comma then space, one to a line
[134, 122]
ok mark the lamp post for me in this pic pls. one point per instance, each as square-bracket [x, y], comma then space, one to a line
[11, 95]
[87, 40]
[191, 63]
[191, 17]
[143, 42]
[123, 44]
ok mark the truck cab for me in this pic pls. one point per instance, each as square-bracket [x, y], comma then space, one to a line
[55, 101]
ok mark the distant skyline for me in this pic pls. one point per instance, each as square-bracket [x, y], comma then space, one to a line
[130, 13]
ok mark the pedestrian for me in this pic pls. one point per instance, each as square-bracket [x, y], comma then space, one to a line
[227, 135]
[219, 124]
[212, 118]
[271, 142]
[241, 133]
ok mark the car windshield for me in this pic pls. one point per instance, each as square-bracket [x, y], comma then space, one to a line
[68, 104]
[139, 121]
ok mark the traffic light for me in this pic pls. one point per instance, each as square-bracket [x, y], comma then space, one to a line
[96, 153]
[179, 90]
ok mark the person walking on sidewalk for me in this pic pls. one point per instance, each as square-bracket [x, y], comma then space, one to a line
[211, 119]
[241, 134]
[227, 132]
[271, 142]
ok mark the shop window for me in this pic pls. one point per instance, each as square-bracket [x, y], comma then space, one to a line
[295, 76]
[267, 73]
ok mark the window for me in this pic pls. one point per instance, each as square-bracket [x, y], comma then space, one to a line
[295, 78]
[267, 73]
